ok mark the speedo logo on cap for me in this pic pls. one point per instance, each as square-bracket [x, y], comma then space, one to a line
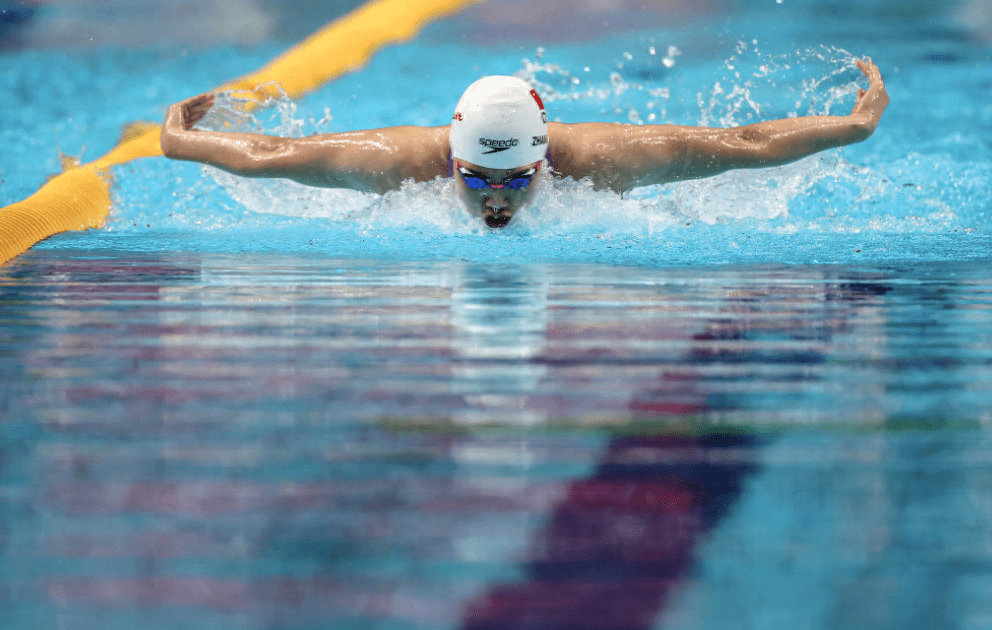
[495, 146]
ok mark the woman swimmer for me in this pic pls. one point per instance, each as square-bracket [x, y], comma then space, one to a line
[499, 143]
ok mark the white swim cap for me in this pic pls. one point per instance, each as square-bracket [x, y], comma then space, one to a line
[499, 122]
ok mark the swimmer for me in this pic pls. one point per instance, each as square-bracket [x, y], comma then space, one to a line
[499, 144]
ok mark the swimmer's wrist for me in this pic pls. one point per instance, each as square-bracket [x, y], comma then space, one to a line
[862, 124]
[170, 140]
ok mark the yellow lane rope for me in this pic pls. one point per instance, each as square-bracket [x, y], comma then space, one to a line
[80, 198]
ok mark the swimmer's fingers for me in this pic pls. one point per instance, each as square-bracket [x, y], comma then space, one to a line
[194, 109]
[870, 70]
[875, 99]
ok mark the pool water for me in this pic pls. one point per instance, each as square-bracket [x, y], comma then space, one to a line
[286, 440]
[754, 401]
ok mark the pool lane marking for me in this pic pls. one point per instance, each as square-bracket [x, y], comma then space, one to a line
[79, 198]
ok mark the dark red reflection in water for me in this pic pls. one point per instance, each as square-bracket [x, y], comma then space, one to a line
[622, 539]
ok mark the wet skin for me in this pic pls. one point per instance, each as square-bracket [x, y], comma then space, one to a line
[496, 206]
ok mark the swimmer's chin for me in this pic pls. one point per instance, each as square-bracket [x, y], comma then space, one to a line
[500, 221]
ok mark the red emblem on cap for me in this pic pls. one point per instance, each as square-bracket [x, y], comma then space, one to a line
[457, 116]
[537, 98]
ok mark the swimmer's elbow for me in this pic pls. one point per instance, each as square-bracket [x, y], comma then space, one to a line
[754, 147]
[720, 150]
[259, 156]
[263, 157]
[726, 150]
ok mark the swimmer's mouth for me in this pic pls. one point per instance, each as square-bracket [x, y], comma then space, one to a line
[498, 221]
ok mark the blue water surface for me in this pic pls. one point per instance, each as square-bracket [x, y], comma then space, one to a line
[919, 189]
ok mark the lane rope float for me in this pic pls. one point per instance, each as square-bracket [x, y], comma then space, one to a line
[80, 198]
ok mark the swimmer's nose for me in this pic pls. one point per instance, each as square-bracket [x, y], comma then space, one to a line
[497, 201]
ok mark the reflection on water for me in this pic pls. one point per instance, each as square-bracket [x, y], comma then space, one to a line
[325, 443]
[622, 538]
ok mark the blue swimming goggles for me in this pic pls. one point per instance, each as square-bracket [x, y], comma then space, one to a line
[478, 181]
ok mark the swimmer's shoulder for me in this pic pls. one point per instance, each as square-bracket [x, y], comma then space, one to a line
[575, 147]
[380, 159]
[408, 152]
[424, 149]
[597, 151]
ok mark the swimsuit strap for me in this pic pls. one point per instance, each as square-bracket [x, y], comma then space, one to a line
[451, 162]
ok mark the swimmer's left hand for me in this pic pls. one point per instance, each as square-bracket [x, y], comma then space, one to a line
[873, 101]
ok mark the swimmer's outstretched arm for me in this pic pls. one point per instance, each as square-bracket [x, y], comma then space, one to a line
[374, 161]
[621, 157]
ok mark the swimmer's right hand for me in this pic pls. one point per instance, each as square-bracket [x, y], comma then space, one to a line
[192, 110]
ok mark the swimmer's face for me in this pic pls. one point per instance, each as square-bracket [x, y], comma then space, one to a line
[496, 194]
